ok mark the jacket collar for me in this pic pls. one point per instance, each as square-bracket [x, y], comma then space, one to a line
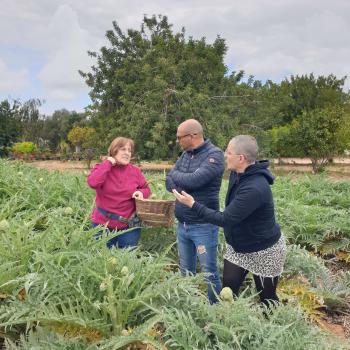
[200, 148]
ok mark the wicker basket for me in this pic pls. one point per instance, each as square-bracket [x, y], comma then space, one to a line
[156, 212]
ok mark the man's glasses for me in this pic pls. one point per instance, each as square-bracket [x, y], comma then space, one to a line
[228, 153]
[179, 138]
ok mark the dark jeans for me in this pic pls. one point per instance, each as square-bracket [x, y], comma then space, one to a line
[128, 239]
[266, 286]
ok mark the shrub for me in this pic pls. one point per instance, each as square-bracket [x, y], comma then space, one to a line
[24, 147]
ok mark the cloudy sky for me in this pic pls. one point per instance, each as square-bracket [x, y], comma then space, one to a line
[43, 43]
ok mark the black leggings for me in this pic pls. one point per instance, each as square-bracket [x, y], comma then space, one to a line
[234, 277]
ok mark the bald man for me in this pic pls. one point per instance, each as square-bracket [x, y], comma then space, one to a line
[199, 172]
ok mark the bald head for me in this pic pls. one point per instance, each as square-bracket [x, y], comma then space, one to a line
[190, 134]
[191, 126]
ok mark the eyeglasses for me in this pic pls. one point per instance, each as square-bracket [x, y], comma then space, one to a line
[228, 153]
[179, 138]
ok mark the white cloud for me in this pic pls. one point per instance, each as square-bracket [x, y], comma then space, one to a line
[68, 45]
[12, 81]
[266, 38]
[298, 38]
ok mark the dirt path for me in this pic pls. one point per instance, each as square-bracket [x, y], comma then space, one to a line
[334, 171]
[80, 166]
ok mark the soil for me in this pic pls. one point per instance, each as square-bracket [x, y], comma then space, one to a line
[76, 166]
[335, 172]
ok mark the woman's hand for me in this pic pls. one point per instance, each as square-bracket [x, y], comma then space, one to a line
[112, 160]
[137, 194]
[184, 198]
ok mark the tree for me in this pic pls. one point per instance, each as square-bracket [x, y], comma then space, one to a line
[343, 133]
[281, 141]
[21, 121]
[56, 127]
[81, 137]
[149, 80]
[84, 139]
[307, 93]
[31, 121]
[314, 134]
[10, 124]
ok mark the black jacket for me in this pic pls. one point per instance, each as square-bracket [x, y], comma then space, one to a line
[198, 172]
[249, 217]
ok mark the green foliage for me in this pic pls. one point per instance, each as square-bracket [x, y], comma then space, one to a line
[314, 123]
[300, 262]
[22, 121]
[280, 141]
[315, 135]
[306, 93]
[42, 339]
[343, 133]
[312, 210]
[71, 292]
[31, 121]
[148, 81]
[241, 325]
[82, 137]
[307, 277]
[9, 123]
[56, 127]
[318, 134]
[24, 147]
[63, 147]
[145, 82]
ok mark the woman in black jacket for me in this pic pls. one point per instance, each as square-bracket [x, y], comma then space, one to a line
[254, 240]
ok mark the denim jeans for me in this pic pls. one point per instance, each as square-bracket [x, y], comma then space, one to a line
[125, 240]
[200, 240]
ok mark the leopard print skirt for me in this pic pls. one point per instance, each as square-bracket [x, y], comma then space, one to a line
[265, 263]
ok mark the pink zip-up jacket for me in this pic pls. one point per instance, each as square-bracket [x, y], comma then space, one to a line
[114, 186]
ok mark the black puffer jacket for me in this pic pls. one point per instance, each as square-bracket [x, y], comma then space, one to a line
[198, 172]
[249, 217]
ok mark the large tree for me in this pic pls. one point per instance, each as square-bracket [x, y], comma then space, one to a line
[56, 127]
[318, 134]
[10, 123]
[307, 93]
[313, 118]
[147, 81]
[31, 121]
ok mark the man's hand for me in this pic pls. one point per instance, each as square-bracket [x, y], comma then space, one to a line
[137, 194]
[184, 198]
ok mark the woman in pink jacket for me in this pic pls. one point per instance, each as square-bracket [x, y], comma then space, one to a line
[117, 183]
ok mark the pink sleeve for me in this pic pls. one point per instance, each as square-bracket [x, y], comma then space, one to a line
[143, 186]
[98, 174]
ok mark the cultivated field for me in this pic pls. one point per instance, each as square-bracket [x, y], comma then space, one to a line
[60, 289]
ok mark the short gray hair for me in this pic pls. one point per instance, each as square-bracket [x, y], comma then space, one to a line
[246, 145]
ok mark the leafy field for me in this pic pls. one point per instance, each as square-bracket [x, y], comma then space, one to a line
[60, 289]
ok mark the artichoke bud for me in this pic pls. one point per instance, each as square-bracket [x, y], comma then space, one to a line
[226, 294]
[4, 225]
[68, 211]
[124, 271]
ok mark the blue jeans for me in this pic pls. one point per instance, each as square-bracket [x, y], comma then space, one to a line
[125, 240]
[200, 240]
